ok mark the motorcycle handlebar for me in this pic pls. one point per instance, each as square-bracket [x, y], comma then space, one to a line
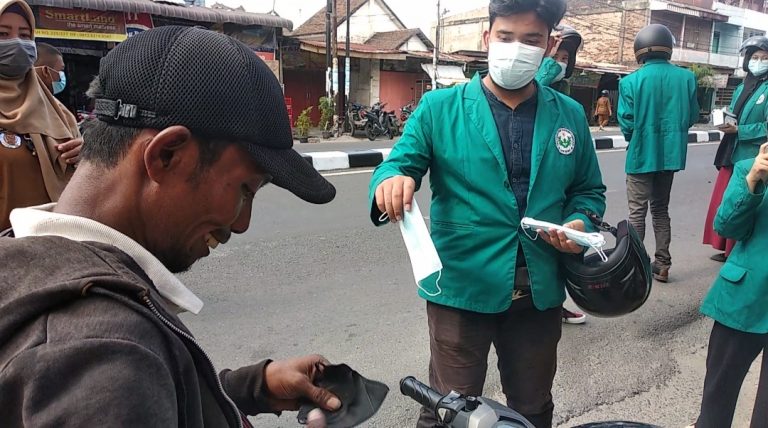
[423, 394]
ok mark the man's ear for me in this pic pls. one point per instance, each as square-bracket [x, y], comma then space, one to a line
[486, 39]
[550, 44]
[168, 152]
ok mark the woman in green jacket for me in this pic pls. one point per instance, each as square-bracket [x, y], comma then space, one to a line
[741, 141]
[738, 300]
[560, 62]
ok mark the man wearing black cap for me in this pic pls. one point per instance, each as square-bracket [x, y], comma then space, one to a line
[189, 125]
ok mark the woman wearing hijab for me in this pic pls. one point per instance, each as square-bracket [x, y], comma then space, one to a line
[742, 140]
[39, 139]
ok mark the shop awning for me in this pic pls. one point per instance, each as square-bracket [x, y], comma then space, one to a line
[191, 13]
[684, 9]
[446, 74]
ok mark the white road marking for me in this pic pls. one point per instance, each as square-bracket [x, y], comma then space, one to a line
[335, 174]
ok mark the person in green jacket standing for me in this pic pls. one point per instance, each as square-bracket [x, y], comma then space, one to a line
[657, 106]
[741, 140]
[738, 300]
[497, 149]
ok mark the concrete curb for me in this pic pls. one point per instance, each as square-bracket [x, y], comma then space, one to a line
[336, 160]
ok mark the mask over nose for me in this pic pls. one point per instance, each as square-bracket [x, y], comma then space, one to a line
[758, 67]
[513, 65]
[16, 57]
[560, 76]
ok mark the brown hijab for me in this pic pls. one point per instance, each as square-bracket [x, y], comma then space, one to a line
[28, 107]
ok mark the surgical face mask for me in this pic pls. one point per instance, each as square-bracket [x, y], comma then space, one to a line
[16, 57]
[758, 67]
[59, 86]
[561, 75]
[513, 65]
[421, 250]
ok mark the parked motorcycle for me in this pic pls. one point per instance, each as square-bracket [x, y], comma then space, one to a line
[405, 113]
[355, 119]
[378, 122]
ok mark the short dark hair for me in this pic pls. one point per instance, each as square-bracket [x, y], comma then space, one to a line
[549, 11]
[46, 50]
[105, 144]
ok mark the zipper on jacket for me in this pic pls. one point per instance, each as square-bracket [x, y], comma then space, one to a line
[186, 336]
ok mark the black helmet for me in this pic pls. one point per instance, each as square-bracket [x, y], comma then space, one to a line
[571, 41]
[750, 46]
[604, 92]
[614, 286]
[654, 41]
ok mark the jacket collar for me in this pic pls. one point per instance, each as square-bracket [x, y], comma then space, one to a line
[41, 220]
[547, 117]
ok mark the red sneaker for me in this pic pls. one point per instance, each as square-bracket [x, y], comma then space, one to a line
[572, 317]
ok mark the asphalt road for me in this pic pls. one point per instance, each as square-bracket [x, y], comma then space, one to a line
[322, 279]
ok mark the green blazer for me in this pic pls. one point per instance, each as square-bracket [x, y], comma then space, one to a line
[475, 223]
[739, 296]
[752, 123]
[657, 106]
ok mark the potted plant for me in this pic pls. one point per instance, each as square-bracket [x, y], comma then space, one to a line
[303, 123]
[705, 82]
[327, 108]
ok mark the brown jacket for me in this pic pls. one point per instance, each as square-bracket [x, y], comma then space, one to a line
[85, 340]
[603, 107]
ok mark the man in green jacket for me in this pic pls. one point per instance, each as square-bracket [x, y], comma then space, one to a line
[498, 148]
[657, 106]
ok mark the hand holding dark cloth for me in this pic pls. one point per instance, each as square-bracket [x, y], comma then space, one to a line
[360, 398]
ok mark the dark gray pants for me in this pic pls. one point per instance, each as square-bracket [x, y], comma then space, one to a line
[730, 354]
[526, 345]
[652, 189]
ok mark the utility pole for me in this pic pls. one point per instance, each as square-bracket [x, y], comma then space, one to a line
[435, 51]
[347, 69]
[328, 81]
[334, 52]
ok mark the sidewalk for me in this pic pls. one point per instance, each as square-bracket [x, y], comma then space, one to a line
[329, 159]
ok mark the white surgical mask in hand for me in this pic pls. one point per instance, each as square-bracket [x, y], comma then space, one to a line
[421, 250]
[513, 65]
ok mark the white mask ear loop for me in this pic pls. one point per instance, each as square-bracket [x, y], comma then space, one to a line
[384, 217]
[437, 284]
[600, 252]
[525, 232]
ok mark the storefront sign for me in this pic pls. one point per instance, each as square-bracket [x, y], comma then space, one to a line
[135, 23]
[80, 24]
[266, 56]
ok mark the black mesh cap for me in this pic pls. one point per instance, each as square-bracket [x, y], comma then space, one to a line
[214, 85]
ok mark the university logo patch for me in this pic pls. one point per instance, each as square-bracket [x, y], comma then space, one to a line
[565, 141]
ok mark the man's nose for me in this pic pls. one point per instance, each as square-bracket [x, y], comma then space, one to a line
[243, 220]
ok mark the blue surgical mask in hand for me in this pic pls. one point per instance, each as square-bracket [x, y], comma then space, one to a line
[59, 86]
[421, 250]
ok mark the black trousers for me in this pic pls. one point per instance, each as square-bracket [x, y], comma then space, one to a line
[526, 345]
[731, 353]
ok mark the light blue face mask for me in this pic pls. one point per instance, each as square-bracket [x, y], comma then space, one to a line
[59, 86]
[758, 67]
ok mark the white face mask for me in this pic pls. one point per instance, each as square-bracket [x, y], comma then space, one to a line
[513, 65]
[561, 75]
[421, 250]
[758, 67]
